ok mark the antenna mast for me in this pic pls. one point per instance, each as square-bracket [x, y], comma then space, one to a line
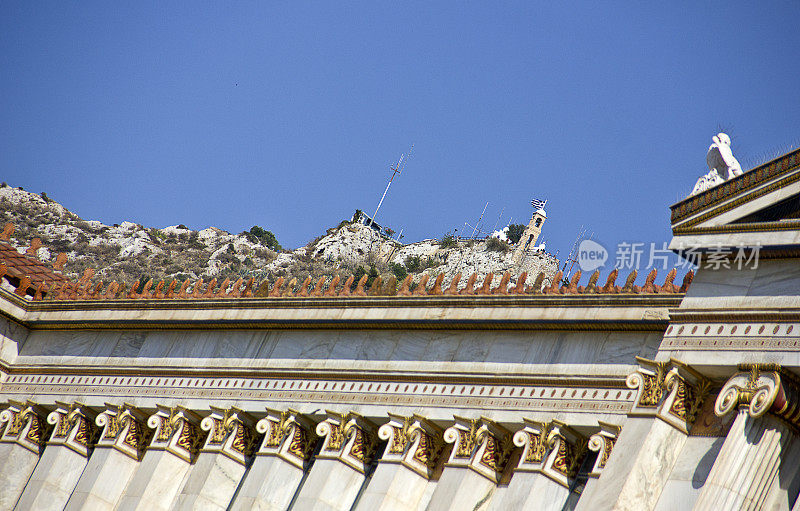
[397, 169]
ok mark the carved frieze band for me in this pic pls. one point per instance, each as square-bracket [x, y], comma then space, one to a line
[762, 389]
[671, 391]
[553, 449]
[287, 435]
[349, 438]
[231, 432]
[414, 442]
[480, 444]
[25, 424]
[124, 428]
[177, 431]
[73, 427]
[545, 397]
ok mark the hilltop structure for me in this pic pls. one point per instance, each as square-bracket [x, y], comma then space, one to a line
[327, 395]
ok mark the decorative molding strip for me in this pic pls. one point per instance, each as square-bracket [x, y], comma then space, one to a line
[289, 436]
[762, 389]
[73, 427]
[552, 449]
[25, 424]
[602, 443]
[231, 433]
[177, 431]
[481, 445]
[414, 442]
[124, 429]
[348, 438]
[553, 395]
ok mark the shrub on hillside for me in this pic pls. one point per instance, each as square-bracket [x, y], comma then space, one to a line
[448, 241]
[515, 232]
[496, 245]
[266, 238]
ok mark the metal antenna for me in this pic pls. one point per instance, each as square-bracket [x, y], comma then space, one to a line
[573, 255]
[478, 223]
[397, 169]
[498, 219]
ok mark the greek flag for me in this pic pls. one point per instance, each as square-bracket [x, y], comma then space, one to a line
[538, 204]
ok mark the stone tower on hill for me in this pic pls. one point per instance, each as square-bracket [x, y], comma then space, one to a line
[528, 240]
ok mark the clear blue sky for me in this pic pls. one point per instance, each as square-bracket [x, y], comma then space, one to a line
[288, 114]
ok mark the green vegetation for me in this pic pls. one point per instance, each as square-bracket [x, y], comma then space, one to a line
[497, 245]
[399, 271]
[515, 232]
[448, 241]
[266, 238]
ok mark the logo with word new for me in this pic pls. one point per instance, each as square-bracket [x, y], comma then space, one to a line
[591, 255]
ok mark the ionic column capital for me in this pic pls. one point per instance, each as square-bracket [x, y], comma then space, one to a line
[762, 389]
[669, 390]
[177, 431]
[287, 435]
[480, 444]
[349, 438]
[25, 424]
[414, 442]
[230, 433]
[73, 427]
[553, 449]
[602, 443]
[124, 429]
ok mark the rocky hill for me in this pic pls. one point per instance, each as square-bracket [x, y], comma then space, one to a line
[126, 252]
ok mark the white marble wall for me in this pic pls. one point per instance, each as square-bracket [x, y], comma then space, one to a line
[394, 487]
[103, 481]
[530, 490]
[689, 473]
[269, 485]
[638, 467]
[15, 470]
[462, 488]
[330, 486]
[211, 483]
[156, 482]
[53, 480]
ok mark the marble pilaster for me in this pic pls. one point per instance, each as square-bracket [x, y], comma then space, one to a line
[121, 445]
[551, 456]
[222, 461]
[402, 479]
[279, 464]
[63, 460]
[481, 450]
[668, 396]
[342, 466]
[24, 432]
[167, 461]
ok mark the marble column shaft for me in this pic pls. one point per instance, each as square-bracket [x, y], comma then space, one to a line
[747, 466]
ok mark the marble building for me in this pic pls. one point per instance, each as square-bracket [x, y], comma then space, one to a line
[462, 395]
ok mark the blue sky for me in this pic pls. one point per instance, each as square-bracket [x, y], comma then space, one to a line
[289, 114]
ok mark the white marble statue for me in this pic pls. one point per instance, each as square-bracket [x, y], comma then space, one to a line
[720, 158]
[722, 164]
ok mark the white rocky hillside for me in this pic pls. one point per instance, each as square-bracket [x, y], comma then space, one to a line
[128, 251]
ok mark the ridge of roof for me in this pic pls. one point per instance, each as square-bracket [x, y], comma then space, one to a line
[43, 282]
